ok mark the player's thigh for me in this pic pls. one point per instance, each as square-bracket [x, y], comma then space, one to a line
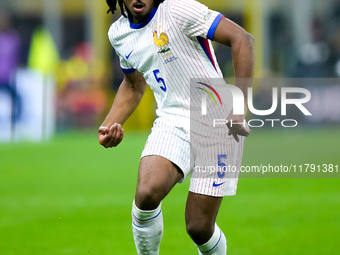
[156, 177]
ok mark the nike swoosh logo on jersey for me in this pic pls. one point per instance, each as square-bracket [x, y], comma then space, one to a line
[219, 184]
[127, 56]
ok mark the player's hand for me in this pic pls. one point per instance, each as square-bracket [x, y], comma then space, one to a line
[110, 137]
[238, 129]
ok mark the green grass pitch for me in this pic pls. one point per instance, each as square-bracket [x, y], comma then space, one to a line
[71, 196]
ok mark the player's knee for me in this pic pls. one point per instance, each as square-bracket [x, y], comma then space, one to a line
[147, 197]
[199, 231]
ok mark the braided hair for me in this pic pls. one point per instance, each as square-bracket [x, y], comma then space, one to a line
[112, 6]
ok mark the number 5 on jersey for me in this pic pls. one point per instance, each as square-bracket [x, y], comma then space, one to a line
[222, 165]
[159, 79]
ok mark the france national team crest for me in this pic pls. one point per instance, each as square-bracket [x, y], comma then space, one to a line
[162, 41]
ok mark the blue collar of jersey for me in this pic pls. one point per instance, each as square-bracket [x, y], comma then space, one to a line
[145, 22]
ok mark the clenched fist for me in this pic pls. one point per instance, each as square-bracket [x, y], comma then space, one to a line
[110, 137]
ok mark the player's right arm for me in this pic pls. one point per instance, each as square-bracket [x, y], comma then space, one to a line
[128, 97]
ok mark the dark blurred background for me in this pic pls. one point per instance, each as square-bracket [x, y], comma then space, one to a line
[58, 71]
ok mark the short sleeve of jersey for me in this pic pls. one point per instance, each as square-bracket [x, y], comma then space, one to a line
[124, 64]
[126, 67]
[194, 18]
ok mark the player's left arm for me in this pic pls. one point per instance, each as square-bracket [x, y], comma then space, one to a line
[242, 46]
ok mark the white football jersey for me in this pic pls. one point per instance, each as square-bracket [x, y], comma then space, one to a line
[169, 48]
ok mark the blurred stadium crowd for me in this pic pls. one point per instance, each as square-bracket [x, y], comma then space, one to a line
[66, 41]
